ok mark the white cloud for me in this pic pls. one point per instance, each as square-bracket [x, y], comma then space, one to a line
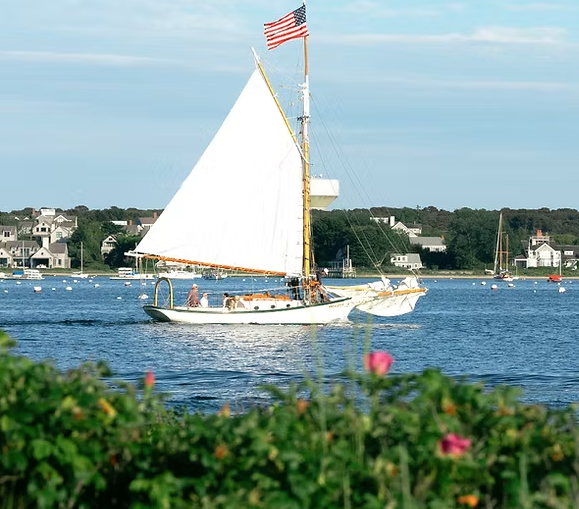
[540, 7]
[491, 35]
[87, 58]
[373, 10]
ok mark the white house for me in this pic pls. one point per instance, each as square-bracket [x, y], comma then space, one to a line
[543, 255]
[410, 229]
[108, 245]
[8, 233]
[409, 261]
[433, 244]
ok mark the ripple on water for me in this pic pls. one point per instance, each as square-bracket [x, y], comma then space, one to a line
[523, 336]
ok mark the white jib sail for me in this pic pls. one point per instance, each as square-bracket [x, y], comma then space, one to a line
[241, 205]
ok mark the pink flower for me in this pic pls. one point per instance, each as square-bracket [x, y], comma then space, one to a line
[453, 445]
[378, 362]
[149, 379]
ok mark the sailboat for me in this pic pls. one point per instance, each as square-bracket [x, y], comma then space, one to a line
[557, 278]
[80, 274]
[262, 216]
[256, 154]
[500, 270]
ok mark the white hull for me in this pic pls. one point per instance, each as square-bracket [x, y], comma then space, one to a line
[296, 314]
[383, 301]
[133, 277]
[180, 275]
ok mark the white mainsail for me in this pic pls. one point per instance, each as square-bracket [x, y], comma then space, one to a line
[241, 205]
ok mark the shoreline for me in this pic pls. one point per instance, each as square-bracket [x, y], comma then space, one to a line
[485, 277]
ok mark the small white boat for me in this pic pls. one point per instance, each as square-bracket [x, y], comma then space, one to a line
[125, 273]
[180, 274]
[214, 275]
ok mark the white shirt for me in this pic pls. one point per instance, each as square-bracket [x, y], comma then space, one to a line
[204, 302]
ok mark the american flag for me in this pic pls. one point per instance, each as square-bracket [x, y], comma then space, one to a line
[291, 26]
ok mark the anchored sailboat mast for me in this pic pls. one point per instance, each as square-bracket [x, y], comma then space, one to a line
[305, 120]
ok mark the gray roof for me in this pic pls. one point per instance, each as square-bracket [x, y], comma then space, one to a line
[427, 241]
[132, 229]
[413, 258]
[58, 248]
[8, 228]
[147, 220]
[19, 243]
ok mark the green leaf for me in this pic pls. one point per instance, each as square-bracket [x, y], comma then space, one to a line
[41, 448]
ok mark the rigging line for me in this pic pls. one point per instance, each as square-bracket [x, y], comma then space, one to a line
[373, 258]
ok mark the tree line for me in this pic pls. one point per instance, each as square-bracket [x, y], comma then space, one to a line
[469, 234]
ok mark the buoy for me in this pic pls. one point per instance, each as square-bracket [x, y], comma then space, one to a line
[97, 285]
[64, 280]
[127, 283]
[511, 285]
[68, 288]
[562, 289]
[119, 298]
[483, 283]
[54, 289]
[75, 281]
[143, 284]
[18, 282]
[494, 287]
[143, 296]
[473, 284]
[37, 289]
[90, 280]
[5, 291]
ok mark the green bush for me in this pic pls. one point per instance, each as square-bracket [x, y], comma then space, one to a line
[410, 441]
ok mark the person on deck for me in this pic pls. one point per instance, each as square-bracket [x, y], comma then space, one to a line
[204, 301]
[193, 297]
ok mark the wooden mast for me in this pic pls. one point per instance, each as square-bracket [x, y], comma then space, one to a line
[498, 247]
[305, 120]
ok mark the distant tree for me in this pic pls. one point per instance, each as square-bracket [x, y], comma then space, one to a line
[109, 228]
[116, 258]
[472, 238]
[91, 237]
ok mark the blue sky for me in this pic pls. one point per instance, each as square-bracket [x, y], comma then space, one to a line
[432, 102]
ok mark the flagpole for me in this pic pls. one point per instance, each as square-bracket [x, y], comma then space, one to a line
[306, 169]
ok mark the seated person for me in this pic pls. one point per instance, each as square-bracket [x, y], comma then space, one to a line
[239, 303]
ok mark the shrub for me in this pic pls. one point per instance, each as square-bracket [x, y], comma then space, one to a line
[410, 441]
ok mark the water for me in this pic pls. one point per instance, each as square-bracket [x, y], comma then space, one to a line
[523, 336]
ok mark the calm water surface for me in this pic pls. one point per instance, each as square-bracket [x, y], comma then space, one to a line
[524, 336]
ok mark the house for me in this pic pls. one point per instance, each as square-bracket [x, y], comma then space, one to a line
[409, 261]
[8, 233]
[53, 257]
[25, 227]
[433, 244]
[410, 229]
[108, 245]
[539, 253]
[147, 222]
[570, 256]
[17, 253]
[5, 257]
[133, 229]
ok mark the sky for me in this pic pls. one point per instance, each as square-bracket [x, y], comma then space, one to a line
[414, 102]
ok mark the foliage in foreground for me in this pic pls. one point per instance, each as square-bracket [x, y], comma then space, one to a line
[376, 441]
